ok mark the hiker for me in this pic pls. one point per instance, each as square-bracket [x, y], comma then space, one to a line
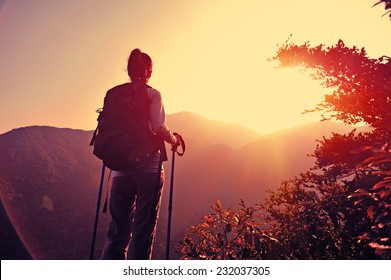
[136, 192]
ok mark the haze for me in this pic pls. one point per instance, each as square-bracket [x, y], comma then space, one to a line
[58, 58]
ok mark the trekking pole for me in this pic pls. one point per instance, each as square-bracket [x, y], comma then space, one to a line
[174, 150]
[97, 212]
[170, 204]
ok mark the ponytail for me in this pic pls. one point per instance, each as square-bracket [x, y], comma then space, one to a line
[139, 65]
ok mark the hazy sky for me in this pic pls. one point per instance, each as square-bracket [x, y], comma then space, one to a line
[59, 57]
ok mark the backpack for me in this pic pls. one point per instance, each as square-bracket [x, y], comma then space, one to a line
[123, 139]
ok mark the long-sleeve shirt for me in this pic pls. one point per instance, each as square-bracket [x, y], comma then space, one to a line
[158, 116]
[156, 110]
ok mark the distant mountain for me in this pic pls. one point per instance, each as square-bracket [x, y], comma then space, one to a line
[49, 180]
[48, 184]
[201, 133]
[279, 156]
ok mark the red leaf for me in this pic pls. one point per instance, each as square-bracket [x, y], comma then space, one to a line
[370, 213]
[381, 184]
[359, 192]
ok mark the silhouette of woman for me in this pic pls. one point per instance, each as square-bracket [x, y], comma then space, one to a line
[135, 193]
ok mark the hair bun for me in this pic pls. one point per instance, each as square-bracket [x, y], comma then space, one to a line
[135, 56]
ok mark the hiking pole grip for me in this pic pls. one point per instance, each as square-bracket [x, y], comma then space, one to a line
[181, 143]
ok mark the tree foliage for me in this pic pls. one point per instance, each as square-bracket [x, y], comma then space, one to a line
[356, 167]
[341, 209]
[226, 234]
[312, 218]
[361, 85]
[377, 200]
[387, 6]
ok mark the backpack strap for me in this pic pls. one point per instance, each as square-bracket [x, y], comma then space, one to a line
[104, 210]
[162, 157]
[99, 111]
[94, 136]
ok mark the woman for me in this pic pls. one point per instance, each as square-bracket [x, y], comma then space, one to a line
[136, 192]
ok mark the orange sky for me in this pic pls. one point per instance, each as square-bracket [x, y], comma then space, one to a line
[58, 57]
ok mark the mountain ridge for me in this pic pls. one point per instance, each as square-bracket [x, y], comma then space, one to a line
[49, 180]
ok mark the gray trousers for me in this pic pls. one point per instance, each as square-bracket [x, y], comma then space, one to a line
[134, 208]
